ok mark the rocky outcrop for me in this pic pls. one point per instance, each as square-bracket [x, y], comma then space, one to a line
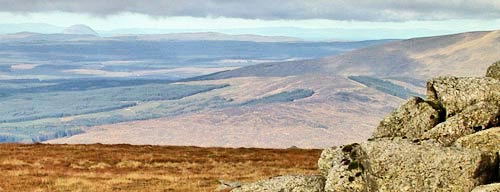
[410, 120]
[297, 183]
[449, 142]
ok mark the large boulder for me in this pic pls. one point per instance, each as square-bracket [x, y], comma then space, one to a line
[495, 187]
[291, 183]
[402, 165]
[346, 172]
[398, 164]
[474, 118]
[487, 141]
[411, 120]
[455, 94]
[494, 71]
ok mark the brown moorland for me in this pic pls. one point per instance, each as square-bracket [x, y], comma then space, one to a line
[43, 167]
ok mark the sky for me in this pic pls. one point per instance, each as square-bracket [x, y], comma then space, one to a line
[308, 19]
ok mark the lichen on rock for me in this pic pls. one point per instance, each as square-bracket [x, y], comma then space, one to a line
[346, 173]
[326, 159]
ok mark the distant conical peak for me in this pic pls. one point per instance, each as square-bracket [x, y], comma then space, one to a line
[80, 29]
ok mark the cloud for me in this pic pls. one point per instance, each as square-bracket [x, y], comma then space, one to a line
[360, 10]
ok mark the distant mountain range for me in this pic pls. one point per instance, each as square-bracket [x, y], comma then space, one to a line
[39, 31]
[309, 34]
[29, 27]
[351, 92]
[81, 52]
[210, 36]
[80, 33]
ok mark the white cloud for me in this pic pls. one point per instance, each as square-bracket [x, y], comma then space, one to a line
[359, 10]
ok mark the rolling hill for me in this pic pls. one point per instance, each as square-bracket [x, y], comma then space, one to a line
[465, 54]
[58, 85]
[352, 92]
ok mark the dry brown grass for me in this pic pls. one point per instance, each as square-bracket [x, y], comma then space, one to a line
[142, 168]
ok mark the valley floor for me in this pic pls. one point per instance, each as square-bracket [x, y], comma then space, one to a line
[42, 167]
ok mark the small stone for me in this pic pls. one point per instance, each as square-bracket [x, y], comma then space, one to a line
[226, 185]
[290, 183]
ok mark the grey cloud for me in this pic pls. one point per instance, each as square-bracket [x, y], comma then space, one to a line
[361, 10]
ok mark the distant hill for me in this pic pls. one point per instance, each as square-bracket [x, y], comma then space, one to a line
[79, 30]
[31, 37]
[171, 56]
[29, 27]
[465, 54]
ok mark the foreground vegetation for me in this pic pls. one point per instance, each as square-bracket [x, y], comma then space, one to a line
[104, 168]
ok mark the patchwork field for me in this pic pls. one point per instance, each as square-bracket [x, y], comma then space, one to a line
[40, 167]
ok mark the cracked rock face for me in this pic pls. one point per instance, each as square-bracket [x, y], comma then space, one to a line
[410, 120]
[292, 183]
[474, 118]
